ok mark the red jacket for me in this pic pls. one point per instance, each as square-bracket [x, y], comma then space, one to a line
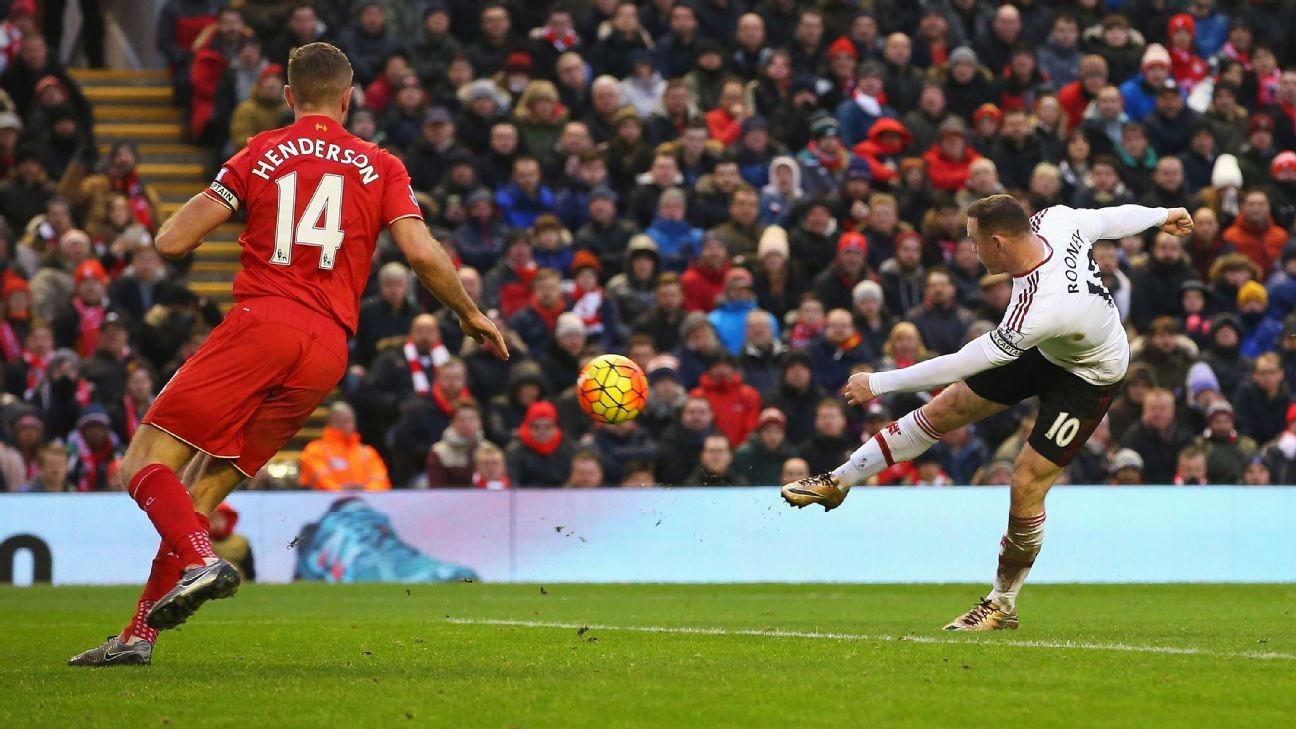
[875, 153]
[736, 406]
[702, 286]
[947, 174]
[723, 127]
[1074, 101]
[1264, 245]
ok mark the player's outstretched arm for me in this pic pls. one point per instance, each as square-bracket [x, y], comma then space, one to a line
[937, 372]
[437, 273]
[185, 230]
[1126, 220]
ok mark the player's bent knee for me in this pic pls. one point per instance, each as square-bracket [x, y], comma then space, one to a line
[957, 406]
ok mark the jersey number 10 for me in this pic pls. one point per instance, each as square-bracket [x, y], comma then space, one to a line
[325, 204]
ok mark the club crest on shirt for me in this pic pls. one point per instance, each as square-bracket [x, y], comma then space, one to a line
[320, 127]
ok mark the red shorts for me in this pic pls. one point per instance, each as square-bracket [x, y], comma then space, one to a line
[254, 382]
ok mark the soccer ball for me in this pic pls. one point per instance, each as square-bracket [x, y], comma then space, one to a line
[612, 389]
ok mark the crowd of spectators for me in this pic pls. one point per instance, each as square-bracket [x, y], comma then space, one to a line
[751, 199]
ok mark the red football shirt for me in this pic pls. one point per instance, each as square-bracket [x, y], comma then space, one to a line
[316, 198]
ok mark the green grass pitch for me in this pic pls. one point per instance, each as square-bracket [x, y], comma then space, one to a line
[468, 655]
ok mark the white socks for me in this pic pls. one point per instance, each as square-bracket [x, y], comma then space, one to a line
[901, 440]
[1017, 551]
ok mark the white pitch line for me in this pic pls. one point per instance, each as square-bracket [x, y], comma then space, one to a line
[858, 637]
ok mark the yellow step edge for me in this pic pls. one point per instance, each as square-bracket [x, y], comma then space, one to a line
[108, 112]
[127, 93]
[124, 74]
[139, 131]
[151, 148]
[216, 266]
[191, 170]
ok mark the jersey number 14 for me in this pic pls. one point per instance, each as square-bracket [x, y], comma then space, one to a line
[320, 224]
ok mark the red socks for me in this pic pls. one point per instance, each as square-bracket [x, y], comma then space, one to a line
[166, 571]
[160, 494]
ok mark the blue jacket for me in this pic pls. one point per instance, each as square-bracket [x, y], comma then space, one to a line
[730, 321]
[520, 211]
[1261, 338]
[1139, 99]
[678, 243]
[1282, 295]
[1211, 35]
[856, 123]
[832, 365]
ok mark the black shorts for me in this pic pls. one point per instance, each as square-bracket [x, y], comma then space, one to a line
[1070, 408]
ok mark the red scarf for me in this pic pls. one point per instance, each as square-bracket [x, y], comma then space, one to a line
[422, 384]
[544, 449]
[561, 43]
[803, 334]
[35, 372]
[481, 483]
[91, 318]
[130, 186]
[831, 163]
[850, 342]
[589, 306]
[548, 315]
[90, 465]
[132, 416]
[443, 401]
[9, 343]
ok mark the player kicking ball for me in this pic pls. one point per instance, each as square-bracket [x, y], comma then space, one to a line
[316, 199]
[1061, 339]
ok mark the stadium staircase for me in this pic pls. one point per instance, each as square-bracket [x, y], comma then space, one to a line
[136, 106]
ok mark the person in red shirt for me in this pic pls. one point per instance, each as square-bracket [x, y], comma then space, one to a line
[705, 278]
[315, 198]
[736, 405]
[1075, 96]
[950, 156]
[1187, 68]
[1254, 234]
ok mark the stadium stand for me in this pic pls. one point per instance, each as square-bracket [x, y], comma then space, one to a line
[752, 200]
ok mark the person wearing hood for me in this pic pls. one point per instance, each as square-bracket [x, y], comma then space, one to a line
[451, 460]
[1254, 233]
[1186, 67]
[888, 140]
[539, 456]
[632, 290]
[338, 461]
[782, 193]
[759, 461]
[730, 314]
[505, 413]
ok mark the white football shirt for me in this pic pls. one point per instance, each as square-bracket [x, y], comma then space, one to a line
[1061, 307]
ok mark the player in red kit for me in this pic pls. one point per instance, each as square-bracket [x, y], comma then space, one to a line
[316, 198]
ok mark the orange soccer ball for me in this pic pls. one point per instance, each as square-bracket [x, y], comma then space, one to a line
[612, 389]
